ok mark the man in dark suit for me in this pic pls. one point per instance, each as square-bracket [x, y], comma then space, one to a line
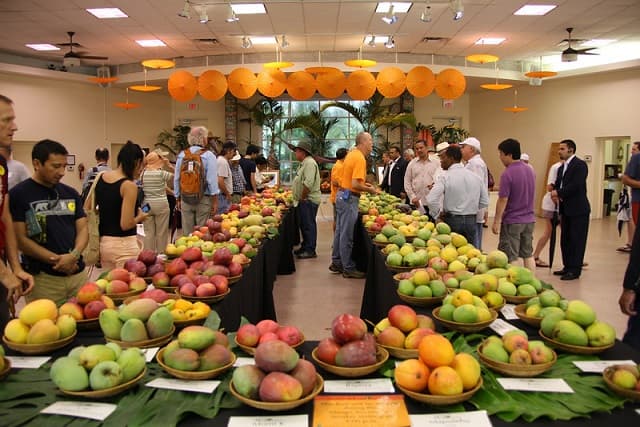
[571, 194]
[393, 179]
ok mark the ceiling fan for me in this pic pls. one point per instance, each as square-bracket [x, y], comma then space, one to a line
[570, 54]
[72, 58]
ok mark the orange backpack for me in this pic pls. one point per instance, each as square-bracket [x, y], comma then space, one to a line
[192, 177]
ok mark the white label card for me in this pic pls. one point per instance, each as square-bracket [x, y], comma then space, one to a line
[376, 385]
[457, 419]
[553, 385]
[638, 411]
[25, 362]
[598, 366]
[501, 327]
[150, 353]
[509, 312]
[241, 361]
[275, 421]
[91, 410]
[184, 385]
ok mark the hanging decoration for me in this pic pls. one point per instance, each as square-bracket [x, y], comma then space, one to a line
[103, 80]
[515, 108]
[243, 83]
[359, 62]
[331, 84]
[496, 85]
[126, 105]
[450, 84]
[158, 63]
[420, 81]
[182, 86]
[272, 83]
[391, 82]
[539, 73]
[212, 85]
[361, 85]
[482, 58]
[301, 85]
[145, 87]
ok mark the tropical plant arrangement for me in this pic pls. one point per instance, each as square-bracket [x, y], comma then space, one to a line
[174, 140]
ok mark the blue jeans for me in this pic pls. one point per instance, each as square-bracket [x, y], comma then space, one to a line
[477, 241]
[307, 211]
[347, 215]
[223, 204]
[463, 224]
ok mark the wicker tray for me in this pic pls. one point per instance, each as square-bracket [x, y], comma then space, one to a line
[97, 394]
[437, 400]
[234, 279]
[629, 394]
[207, 300]
[179, 324]
[245, 264]
[279, 406]
[118, 298]
[88, 324]
[420, 302]
[575, 349]
[520, 311]
[135, 297]
[193, 375]
[464, 327]
[154, 342]
[401, 353]
[252, 350]
[517, 299]
[513, 370]
[397, 278]
[402, 268]
[36, 349]
[7, 368]
[381, 356]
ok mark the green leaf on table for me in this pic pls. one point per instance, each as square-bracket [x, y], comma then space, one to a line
[213, 320]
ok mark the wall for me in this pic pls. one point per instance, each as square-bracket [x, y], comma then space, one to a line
[579, 108]
[200, 112]
[430, 110]
[82, 116]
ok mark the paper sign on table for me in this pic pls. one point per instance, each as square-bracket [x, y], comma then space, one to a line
[553, 385]
[501, 327]
[150, 353]
[91, 410]
[26, 362]
[457, 419]
[364, 410]
[598, 366]
[275, 421]
[241, 361]
[174, 384]
[509, 312]
[376, 385]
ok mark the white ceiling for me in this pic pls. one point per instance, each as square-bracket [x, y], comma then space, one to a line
[315, 26]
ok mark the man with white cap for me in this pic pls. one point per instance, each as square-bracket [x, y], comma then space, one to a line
[525, 159]
[471, 155]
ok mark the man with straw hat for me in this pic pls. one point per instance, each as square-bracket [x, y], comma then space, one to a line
[306, 197]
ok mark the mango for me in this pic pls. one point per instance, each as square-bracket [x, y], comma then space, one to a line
[305, 372]
[467, 368]
[279, 387]
[133, 330]
[519, 275]
[213, 357]
[246, 380]
[196, 337]
[580, 312]
[495, 351]
[106, 374]
[67, 374]
[42, 332]
[445, 381]
[76, 352]
[549, 321]
[132, 362]
[38, 310]
[600, 334]
[160, 323]
[569, 332]
[172, 346]
[356, 353]
[140, 309]
[275, 355]
[110, 323]
[66, 324]
[183, 359]
[16, 331]
[95, 354]
[117, 350]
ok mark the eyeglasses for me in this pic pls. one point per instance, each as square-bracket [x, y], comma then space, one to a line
[53, 203]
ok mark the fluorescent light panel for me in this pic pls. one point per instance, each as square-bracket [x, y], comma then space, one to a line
[151, 43]
[248, 8]
[42, 46]
[378, 39]
[398, 7]
[490, 40]
[263, 40]
[107, 13]
[535, 9]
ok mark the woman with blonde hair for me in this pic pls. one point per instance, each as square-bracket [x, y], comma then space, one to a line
[155, 180]
[116, 198]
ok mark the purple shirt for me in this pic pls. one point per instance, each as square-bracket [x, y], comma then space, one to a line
[518, 185]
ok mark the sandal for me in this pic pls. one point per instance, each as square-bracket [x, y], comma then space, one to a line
[540, 263]
[625, 248]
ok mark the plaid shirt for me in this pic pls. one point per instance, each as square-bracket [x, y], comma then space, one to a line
[238, 179]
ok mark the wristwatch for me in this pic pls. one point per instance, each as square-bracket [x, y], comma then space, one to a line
[75, 253]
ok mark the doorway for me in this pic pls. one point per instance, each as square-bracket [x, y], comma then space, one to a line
[615, 152]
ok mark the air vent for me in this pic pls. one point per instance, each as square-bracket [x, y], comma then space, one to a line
[208, 41]
[433, 39]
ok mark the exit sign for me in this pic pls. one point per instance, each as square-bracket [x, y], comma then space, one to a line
[192, 106]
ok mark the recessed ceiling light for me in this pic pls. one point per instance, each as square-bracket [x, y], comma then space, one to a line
[376, 39]
[535, 9]
[263, 40]
[151, 43]
[490, 40]
[42, 46]
[107, 13]
[597, 42]
[398, 7]
[249, 9]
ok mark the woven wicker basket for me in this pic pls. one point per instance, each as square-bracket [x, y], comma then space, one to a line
[464, 327]
[629, 394]
[381, 356]
[575, 349]
[514, 370]
[437, 400]
[35, 349]
[193, 375]
[279, 406]
[154, 342]
[97, 394]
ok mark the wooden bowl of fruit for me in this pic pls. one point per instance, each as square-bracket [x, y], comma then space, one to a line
[382, 356]
[610, 379]
[153, 342]
[420, 301]
[107, 392]
[441, 400]
[6, 368]
[35, 349]
[521, 312]
[279, 406]
[517, 299]
[401, 353]
[207, 300]
[464, 327]
[120, 297]
[252, 350]
[193, 375]
[513, 369]
[575, 349]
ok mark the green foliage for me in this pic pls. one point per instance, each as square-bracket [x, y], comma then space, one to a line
[174, 140]
[315, 128]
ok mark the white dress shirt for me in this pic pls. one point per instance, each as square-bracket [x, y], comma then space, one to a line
[459, 192]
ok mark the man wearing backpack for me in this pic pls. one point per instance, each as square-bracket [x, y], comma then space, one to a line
[102, 160]
[196, 181]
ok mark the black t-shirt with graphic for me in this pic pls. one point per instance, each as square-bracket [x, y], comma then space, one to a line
[248, 167]
[50, 215]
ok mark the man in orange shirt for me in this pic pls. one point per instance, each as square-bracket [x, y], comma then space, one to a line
[336, 172]
[352, 184]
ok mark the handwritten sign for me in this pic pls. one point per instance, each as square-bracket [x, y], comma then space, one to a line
[360, 411]
[509, 312]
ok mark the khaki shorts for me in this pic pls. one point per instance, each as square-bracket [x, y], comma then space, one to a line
[516, 240]
[56, 288]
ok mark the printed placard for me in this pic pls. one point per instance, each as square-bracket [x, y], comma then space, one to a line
[275, 421]
[241, 361]
[376, 385]
[501, 327]
[457, 419]
[198, 386]
[598, 366]
[91, 410]
[27, 362]
[509, 312]
[150, 353]
[552, 385]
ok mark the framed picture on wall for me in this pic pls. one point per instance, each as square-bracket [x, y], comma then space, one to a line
[71, 159]
[275, 178]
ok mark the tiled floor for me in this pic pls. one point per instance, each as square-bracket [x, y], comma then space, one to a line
[312, 297]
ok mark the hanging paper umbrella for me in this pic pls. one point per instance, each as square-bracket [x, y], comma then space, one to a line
[103, 80]
[182, 86]
[361, 85]
[320, 70]
[145, 87]
[331, 84]
[127, 105]
[515, 108]
[420, 81]
[482, 58]
[212, 85]
[272, 83]
[391, 82]
[450, 84]
[496, 85]
[301, 85]
[242, 83]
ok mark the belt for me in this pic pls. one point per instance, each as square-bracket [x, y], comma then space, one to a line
[460, 216]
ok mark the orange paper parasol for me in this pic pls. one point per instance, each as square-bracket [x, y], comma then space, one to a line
[301, 85]
[361, 85]
[212, 85]
[242, 83]
[158, 63]
[420, 81]
[331, 84]
[482, 58]
[450, 84]
[272, 83]
[360, 63]
[495, 86]
[127, 105]
[278, 65]
[182, 86]
[103, 80]
[540, 74]
[320, 70]
[391, 82]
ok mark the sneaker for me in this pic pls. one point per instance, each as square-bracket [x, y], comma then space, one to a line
[354, 274]
[298, 251]
[335, 268]
[306, 255]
